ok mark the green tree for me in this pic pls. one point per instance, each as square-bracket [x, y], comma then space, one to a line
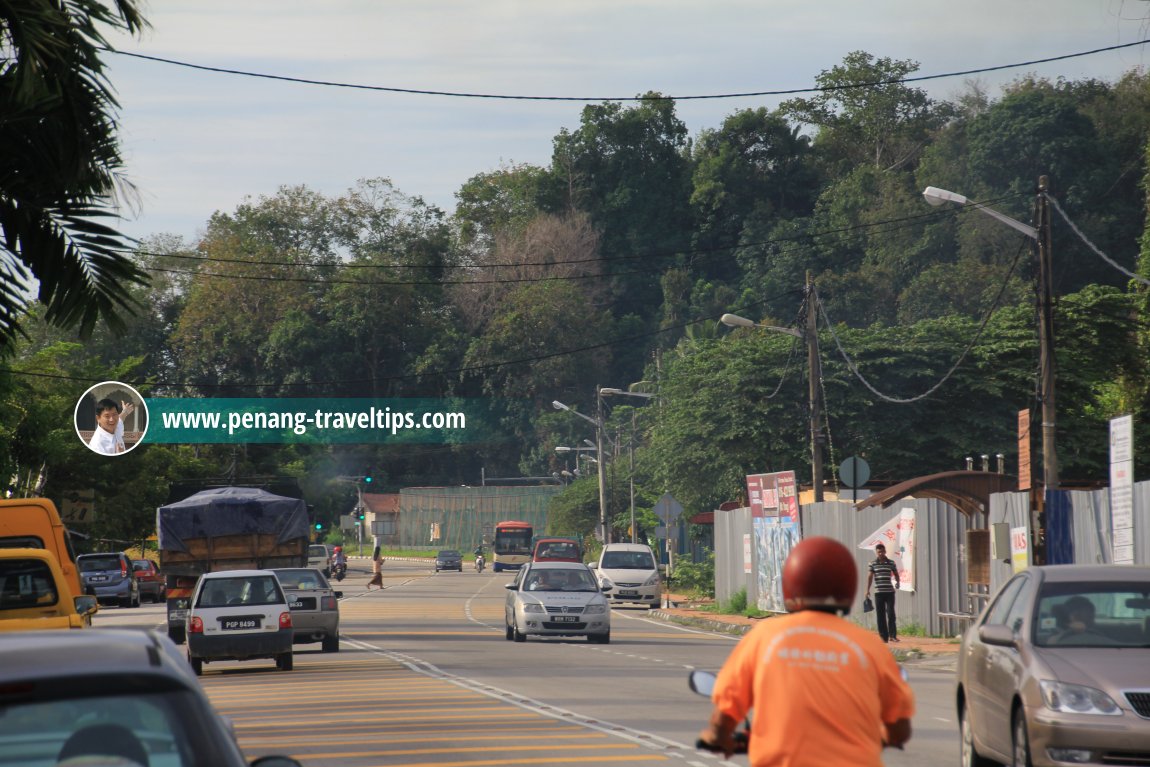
[60, 166]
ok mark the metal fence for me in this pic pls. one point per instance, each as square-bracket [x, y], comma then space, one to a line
[461, 517]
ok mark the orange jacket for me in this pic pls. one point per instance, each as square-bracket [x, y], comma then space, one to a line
[822, 690]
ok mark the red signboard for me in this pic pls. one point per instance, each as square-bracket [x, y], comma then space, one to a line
[773, 495]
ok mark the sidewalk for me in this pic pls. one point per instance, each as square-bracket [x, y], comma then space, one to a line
[933, 651]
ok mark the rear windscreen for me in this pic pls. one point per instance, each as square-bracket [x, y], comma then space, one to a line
[94, 564]
[26, 583]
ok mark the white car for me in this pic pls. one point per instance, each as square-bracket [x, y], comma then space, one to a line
[319, 557]
[629, 572]
[239, 615]
[556, 599]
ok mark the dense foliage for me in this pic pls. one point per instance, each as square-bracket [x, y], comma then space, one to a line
[610, 266]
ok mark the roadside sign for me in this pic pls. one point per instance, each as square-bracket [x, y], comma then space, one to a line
[854, 471]
[668, 509]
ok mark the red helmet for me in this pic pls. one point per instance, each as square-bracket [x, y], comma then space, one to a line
[819, 572]
[338, 548]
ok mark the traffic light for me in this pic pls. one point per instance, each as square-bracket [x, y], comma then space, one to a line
[318, 526]
[367, 480]
[361, 514]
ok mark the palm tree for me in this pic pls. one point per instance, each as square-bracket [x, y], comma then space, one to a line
[60, 166]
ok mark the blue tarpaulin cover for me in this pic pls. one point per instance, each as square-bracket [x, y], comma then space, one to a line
[230, 511]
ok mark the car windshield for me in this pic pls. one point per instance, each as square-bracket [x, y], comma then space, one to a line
[26, 583]
[560, 580]
[1093, 615]
[240, 590]
[141, 565]
[154, 726]
[95, 563]
[627, 560]
[301, 579]
[448, 554]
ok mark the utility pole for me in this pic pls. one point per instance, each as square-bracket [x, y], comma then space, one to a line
[815, 374]
[601, 460]
[1046, 338]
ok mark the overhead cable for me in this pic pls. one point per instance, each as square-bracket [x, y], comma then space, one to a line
[1093, 247]
[509, 97]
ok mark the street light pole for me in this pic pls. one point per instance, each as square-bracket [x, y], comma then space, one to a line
[1040, 234]
[631, 446]
[814, 374]
[601, 465]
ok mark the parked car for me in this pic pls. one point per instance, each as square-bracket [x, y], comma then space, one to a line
[629, 572]
[110, 578]
[102, 697]
[557, 550]
[152, 583]
[449, 559]
[556, 599]
[35, 594]
[1056, 669]
[319, 557]
[314, 606]
[239, 615]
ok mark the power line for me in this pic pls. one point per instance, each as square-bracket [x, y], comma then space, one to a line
[509, 97]
[1097, 251]
[970, 345]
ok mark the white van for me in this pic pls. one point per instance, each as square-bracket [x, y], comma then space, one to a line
[632, 572]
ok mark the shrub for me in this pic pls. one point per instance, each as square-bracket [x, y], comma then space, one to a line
[696, 579]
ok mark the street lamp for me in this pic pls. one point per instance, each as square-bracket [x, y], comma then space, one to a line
[598, 421]
[631, 446]
[814, 374]
[1040, 234]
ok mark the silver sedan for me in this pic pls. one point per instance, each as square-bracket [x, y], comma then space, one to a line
[314, 606]
[557, 599]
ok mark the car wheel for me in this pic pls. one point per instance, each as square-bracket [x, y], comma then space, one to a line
[136, 600]
[599, 638]
[285, 662]
[331, 643]
[518, 635]
[970, 755]
[177, 635]
[197, 665]
[1021, 741]
[510, 633]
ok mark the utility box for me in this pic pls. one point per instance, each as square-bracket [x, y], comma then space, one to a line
[1000, 541]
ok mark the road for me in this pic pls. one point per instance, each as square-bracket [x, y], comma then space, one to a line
[425, 677]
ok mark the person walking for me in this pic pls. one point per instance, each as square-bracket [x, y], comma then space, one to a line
[824, 691]
[376, 569]
[883, 573]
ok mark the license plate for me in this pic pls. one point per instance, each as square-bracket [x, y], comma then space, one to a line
[177, 616]
[565, 618]
[97, 578]
[302, 603]
[628, 593]
[240, 624]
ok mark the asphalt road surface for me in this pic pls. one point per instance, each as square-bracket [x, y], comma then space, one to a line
[425, 677]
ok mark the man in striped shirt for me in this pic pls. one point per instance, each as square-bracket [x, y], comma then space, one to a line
[884, 575]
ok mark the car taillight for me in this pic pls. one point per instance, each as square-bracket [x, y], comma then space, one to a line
[327, 603]
[197, 626]
[285, 620]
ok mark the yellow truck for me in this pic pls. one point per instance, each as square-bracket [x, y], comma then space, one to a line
[34, 594]
[34, 523]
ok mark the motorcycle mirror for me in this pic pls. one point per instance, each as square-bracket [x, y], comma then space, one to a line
[702, 682]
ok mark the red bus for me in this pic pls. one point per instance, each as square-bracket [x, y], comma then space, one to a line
[512, 545]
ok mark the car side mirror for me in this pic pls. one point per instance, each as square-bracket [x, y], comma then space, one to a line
[593, 565]
[510, 586]
[86, 605]
[997, 634]
[606, 587]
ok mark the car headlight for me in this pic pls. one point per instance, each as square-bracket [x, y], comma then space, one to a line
[594, 609]
[652, 581]
[1077, 699]
[533, 607]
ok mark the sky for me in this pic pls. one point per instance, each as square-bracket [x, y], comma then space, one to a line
[197, 142]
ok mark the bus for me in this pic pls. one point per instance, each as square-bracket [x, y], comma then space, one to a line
[512, 545]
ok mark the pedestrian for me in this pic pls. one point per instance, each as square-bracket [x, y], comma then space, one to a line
[824, 692]
[883, 573]
[376, 569]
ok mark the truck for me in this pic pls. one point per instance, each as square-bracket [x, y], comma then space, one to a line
[226, 528]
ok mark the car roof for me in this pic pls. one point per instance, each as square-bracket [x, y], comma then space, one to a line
[1092, 573]
[295, 570]
[234, 574]
[100, 652]
[626, 547]
[552, 565]
[102, 554]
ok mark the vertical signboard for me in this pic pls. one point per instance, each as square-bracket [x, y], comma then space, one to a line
[1019, 549]
[1024, 450]
[774, 507]
[1122, 489]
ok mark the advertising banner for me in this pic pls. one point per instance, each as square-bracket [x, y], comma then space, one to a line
[899, 538]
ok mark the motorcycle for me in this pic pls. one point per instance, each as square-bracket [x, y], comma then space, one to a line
[479, 563]
[339, 570]
[703, 683]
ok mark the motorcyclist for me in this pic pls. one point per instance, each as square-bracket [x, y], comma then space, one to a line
[824, 691]
[480, 561]
[338, 558]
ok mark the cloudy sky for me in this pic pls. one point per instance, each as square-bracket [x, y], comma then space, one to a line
[197, 142]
